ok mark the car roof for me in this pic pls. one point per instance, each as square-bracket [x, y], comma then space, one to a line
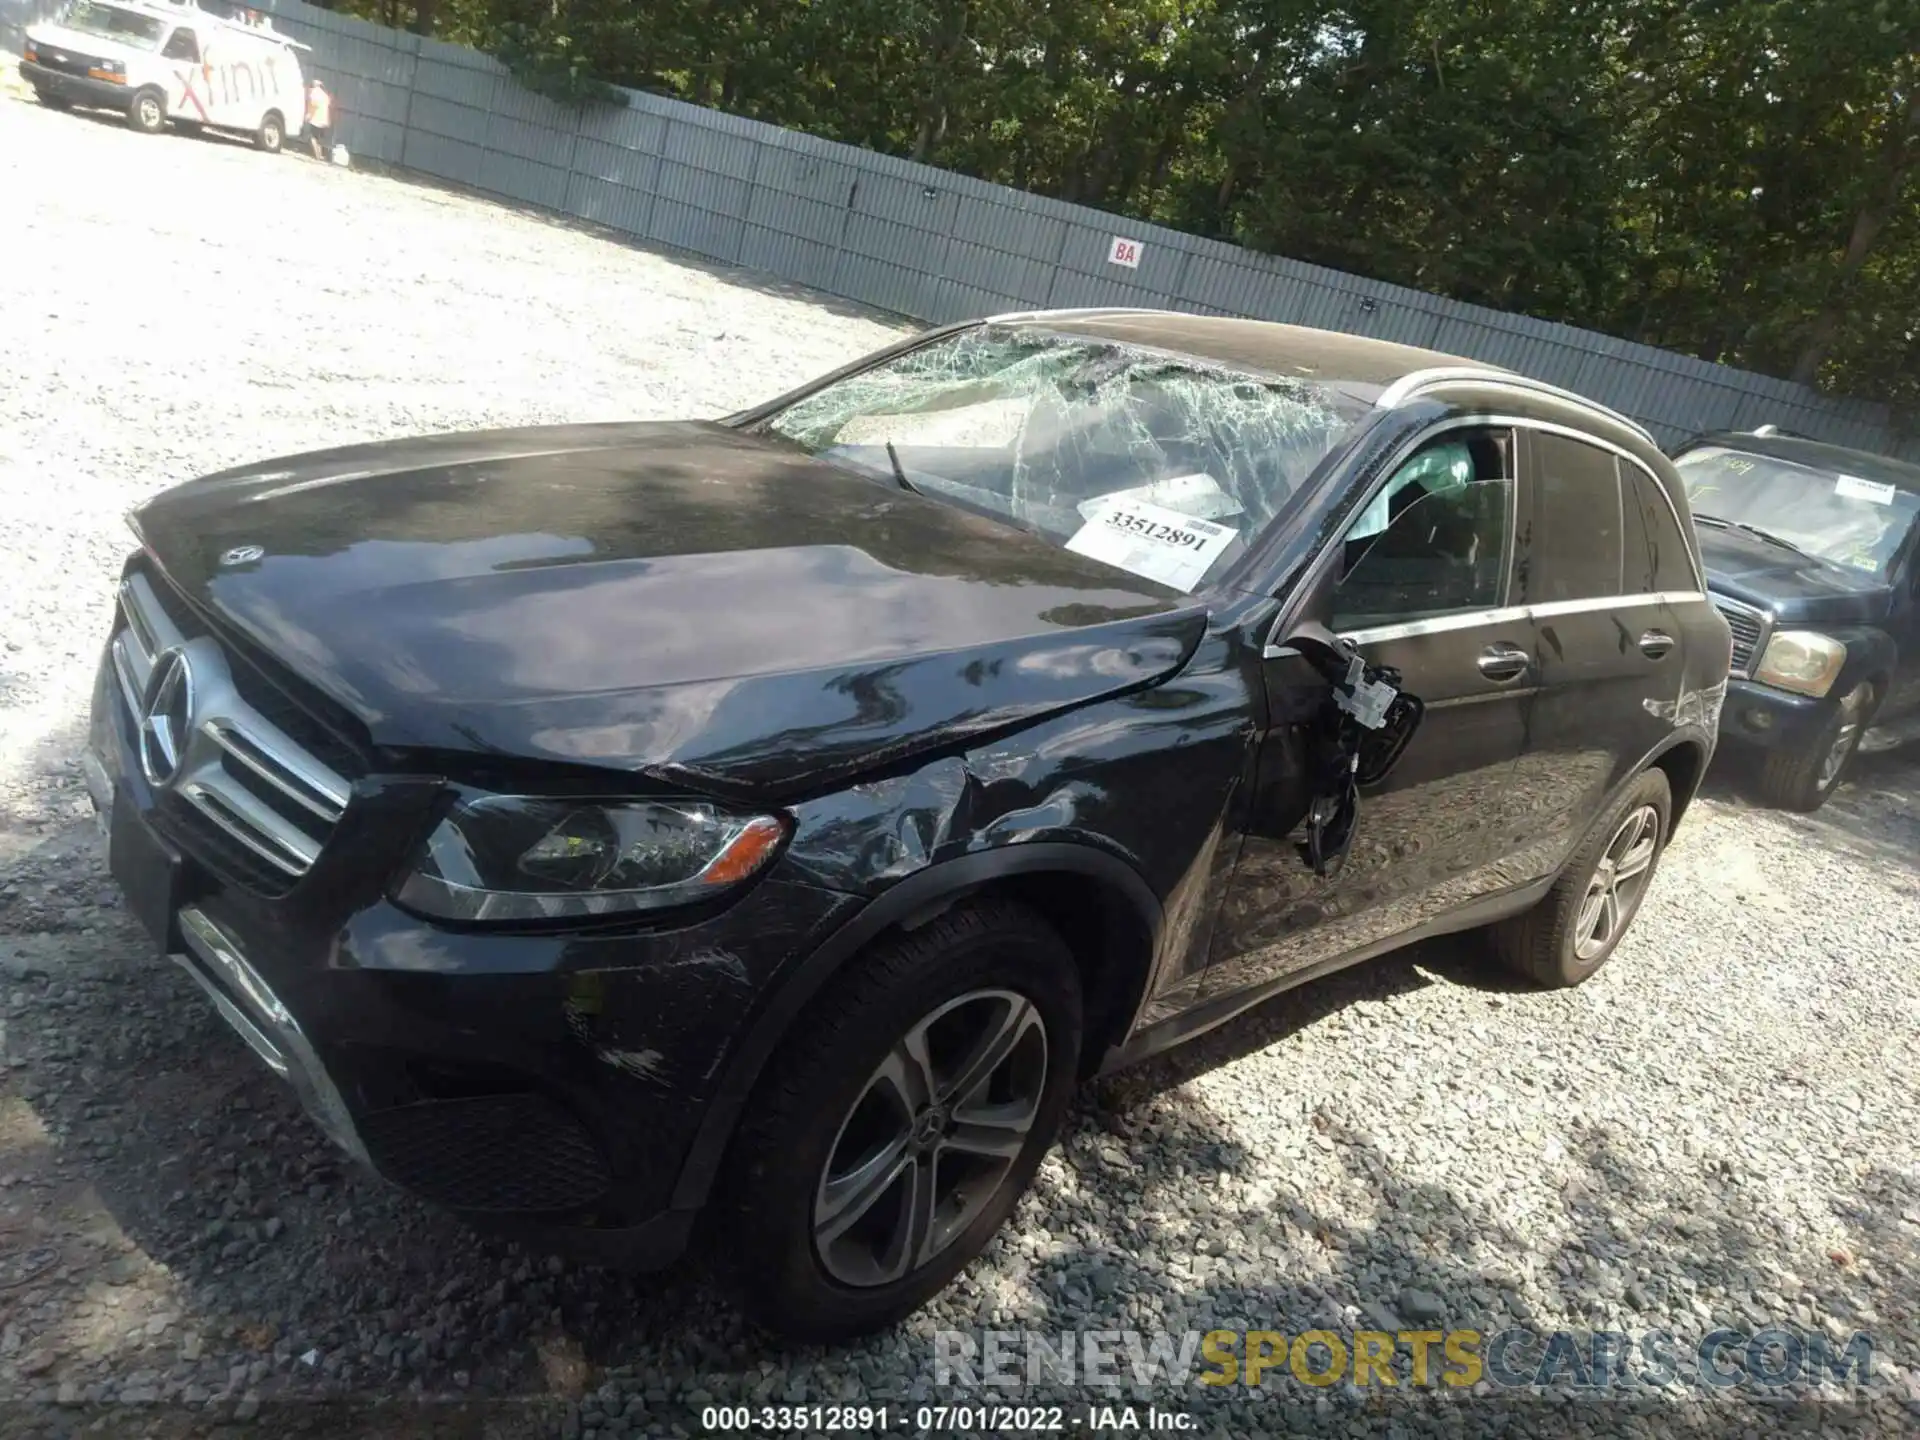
[1816, 455]
[1264, 345]
[1379, 372]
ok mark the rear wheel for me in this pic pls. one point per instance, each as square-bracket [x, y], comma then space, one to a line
[148, 112]
[1576, 926]
[272, 133]
[896, 1130]
[1804, 780]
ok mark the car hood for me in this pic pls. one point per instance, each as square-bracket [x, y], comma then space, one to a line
[678, 599]
[1795, 589]
[96, 47]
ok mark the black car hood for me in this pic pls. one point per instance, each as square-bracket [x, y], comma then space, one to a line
[1794, 588]
[679, 599]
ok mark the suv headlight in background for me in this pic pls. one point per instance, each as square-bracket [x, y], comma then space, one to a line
[1801, 661]
[506, 858]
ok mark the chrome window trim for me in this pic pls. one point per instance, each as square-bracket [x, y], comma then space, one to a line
[1505, 614]
[1413, 383]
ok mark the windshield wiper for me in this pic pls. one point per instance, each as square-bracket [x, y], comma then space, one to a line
[900, 471]
[1723, 523]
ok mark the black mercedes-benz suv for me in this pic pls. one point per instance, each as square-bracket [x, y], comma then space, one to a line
[1813, 553]
[773, 819]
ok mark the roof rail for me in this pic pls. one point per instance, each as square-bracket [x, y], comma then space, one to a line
[1012, 316]
[1411, 384]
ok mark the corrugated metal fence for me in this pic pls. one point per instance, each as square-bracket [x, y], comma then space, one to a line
[938, 246]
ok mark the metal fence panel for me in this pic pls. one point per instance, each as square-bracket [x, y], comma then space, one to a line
[600, 161]
[934, 245]
[690, 227]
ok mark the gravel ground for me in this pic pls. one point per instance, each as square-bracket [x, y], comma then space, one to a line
[1720, 1129]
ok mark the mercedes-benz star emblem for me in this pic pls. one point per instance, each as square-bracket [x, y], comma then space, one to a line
[242, 555]
[166, 717]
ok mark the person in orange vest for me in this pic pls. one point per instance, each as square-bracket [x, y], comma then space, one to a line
[319, 119]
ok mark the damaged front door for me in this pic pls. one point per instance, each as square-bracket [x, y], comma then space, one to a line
[1421, 583]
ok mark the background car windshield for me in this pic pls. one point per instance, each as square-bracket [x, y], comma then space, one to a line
[1060, 433]
[127, 26]
[1843, 519]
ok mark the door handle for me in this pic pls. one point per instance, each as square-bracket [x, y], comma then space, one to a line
[1501, 663]
[1656, 644]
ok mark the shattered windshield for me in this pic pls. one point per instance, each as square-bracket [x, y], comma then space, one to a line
[1841, 519]
[113, 23]
[1163, 465]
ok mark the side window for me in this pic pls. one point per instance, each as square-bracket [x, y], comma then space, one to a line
[1433, 541]
[182, 45]
[1667, 547]
[1575, 542]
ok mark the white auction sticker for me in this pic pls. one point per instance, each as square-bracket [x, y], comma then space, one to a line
[1854, 488]
[1152, 541]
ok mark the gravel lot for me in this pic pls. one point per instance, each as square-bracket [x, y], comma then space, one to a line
[1721, 1129]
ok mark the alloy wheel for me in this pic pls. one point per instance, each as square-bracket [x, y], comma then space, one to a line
[931, 1138]
[1619, 880]
[1853, 714]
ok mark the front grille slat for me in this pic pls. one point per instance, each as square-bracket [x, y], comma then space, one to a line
[1749, 628]
[276, 760]
[255, 826]
[248, 798]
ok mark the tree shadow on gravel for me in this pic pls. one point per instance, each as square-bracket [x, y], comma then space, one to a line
[1872, 819]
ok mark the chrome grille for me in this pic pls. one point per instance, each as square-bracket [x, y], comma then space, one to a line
[237, 770]
[1749, 626]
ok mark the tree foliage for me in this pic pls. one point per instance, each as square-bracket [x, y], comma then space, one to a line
[1737, 179]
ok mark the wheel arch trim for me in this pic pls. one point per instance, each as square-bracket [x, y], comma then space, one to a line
[910, 901]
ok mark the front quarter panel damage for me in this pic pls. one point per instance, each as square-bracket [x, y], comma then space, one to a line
[1148, 778]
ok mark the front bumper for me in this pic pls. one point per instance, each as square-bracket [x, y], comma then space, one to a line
[77, 89]
[1759, 715]
[554, 1081]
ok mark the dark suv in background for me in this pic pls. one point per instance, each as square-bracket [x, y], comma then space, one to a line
[1813, 554]
[774, 819]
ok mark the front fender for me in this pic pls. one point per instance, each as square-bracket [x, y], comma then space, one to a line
[910, 901]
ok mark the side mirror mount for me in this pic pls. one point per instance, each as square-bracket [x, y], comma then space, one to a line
[1360, 734]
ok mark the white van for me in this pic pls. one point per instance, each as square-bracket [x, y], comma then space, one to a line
[156, 61]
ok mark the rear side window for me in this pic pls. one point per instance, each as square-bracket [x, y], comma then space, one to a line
[1667, 554]
[1575, 541]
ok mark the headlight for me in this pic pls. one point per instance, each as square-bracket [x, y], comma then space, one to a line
[1802, 661]
[508, 858]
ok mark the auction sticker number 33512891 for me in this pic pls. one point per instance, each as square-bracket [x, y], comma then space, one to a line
[1152, 541]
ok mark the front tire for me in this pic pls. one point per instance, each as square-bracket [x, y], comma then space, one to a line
[272, 133]
[1577, 925]
[1804, 780]
[901, 1122]
[148, 112]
